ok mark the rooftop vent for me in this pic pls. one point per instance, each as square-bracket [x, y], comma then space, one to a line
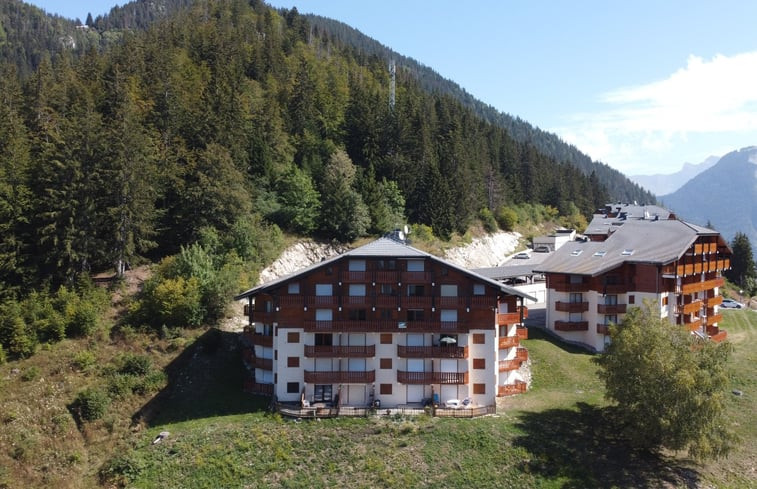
[600, 253]
[576, 252]
[627, 252]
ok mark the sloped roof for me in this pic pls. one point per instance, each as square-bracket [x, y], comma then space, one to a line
[630, 241]
[382, 247]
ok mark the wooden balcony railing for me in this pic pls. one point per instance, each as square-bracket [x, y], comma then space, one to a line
[362, 276]
[615, 288]
[603, 329]
[693, 325]
[521, 333]
[322, 300]
[387, 300]
[713, 319]
[690, 308]
[521, 354]
[419, 301]
[291, 301]
[263, 316]
[432, 377]
[258, 388]
[507, 318]
[432, 351]
[611, 308]
[357, 300]
[693, 287]
[340, 377]
[387, 277]
[719, 336]
[483, 301]
[714, 301]
[519, 387]
[571, 306]
[262, 363]
[572, 326]
[260, 340]
[451, 301]
[339, 351]
[416, 277]
[569, 287]
[507, 365]
[374, 326]
[506, 342]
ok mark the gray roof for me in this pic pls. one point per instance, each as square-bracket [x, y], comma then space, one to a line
[382, 247]
[515, 267]
[633, 241]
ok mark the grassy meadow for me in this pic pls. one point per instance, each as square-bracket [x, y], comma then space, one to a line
[552, 437]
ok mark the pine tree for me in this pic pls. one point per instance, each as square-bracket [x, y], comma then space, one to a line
[742, 264]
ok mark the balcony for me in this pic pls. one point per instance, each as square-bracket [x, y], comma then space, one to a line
[506, 342]
[258, 388]
[615, 289]
[572, 326]
[719, 336]
[519, 387]
[351, 277]
[259, 339]
[291, 301]
[508, 365]
[451, 302]
[340, 377]
[521, 354]
[387, 277]
[263, 316]
[571, 306]
[339, 351]
[611, 308]
[714, 301]
[356, 300]
[690, 308]
[416, 277]
[569, 287]
[603, 329]
[416, 301]
[432, 351]
[693, 287]
[521, 333]
[482, 302]
[322, 300]
[384, 326]
[713, 319]
[387, 301]
[262, 363]
[693, 325]
[507, 318]
[432, 377]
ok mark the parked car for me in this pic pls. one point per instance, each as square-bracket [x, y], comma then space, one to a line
[522, 256]
[731, 304]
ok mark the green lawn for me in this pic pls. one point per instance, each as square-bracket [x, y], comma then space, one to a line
[555, 436]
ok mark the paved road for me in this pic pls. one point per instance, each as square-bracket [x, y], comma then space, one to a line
[536, 316]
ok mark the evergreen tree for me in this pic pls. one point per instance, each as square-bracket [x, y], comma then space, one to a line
[344, 215]
[742, 270]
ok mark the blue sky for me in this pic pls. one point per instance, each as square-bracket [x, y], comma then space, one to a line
[643, 86]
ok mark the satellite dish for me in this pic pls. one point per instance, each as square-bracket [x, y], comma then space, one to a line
[407, 231]
[402, 236]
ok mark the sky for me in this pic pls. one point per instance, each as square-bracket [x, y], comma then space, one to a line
[643, 86]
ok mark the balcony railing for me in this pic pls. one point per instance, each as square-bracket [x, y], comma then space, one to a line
[322, 300]
[713, 319]
[519, 387]
[432, 351]
[387, 300]
[569, 287]
[416, 277]
[361, 276]
[340, 377]
[693, 325]
[521, 333]
[507, 365]
[603, 329]
[571, 306]
[258, 388]
[615, 288]
[693, 287]
[419, 301]
[386, 326]
[432, 377]
[572, 325]
[521, 354]
[263, 316]
[291, 301]
[451, 301]
[482, 301]
[339, 351]
[259, 339]
[506, 342]
[690, 308]
[719, 336]
[262, 363]
[507, 318]
[611, 308]
[387, 277]
[714, 301]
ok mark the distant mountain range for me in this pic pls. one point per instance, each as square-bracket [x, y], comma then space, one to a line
[663, 184]
[725, 195]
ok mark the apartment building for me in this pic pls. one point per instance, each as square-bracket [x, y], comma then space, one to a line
[630, 254]
[384, 324]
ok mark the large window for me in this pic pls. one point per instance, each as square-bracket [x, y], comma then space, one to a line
[479, 289]
[387, 264]
[293, 288]
[576, 297]
[415, 315]
[611, 300]
[388, 289]
[357, 290]
[415, 265]
[322, 393]
[293, 387]
[448, 290]
[324, 314]
[324, 289]
[357, 266]
[415, 290]
[356, 315]
[448, 315]
[323, 339]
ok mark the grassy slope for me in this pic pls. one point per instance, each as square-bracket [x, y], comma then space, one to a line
[553, 436]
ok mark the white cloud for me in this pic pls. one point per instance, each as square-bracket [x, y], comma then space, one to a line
[706, 97]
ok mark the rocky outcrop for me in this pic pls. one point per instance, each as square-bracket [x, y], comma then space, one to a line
[298, 256]
[488, 251]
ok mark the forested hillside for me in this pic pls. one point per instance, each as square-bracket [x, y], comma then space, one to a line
[229, 115]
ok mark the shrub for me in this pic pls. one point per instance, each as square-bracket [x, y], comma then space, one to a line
[120, 470]
[152, 382]
[84, 360]
[487, 219]
[506, 217]
[30, 374]
[133, 364]
[2, 355]
[121, 385]
[90, 404]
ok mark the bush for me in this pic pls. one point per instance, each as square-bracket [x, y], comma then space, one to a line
[487, 220]
[84, 360]
[30, 374]
[3, 359]
[506, 217]
[90, 404]
[133, 364]
[120, 470]
[121, 385]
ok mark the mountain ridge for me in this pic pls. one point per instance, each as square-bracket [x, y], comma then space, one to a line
[667, 183]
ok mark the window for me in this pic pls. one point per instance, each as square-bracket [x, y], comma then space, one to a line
[293, 362]
[479, 338]
[448, 290]
[293, 337]
[356, 314]
[415, 265]
[324, 314]
[388, 289]
[385, 363]
[631, 299]
[611, 318]
[323, 339]
[576, 297]
[479, 388]
[415, 290]
[357, 266]
[323, 289]
[293, 288]
[385, 389]
[611, 300]
[415, 315]
[387, 264]
[322, 393]
[293, 387]
[479, 363]
[665, 301]
[357, 290]
[268, 306]
[576, 279]
[479, 289]
[386, 314]
[386, 338]
[449, 315]
[575, 317]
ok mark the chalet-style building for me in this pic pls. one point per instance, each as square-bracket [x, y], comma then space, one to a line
[630, 254]
[384, 324]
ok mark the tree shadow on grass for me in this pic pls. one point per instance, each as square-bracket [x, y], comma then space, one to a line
[545, 335]
[205, 380]
[580, 446]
